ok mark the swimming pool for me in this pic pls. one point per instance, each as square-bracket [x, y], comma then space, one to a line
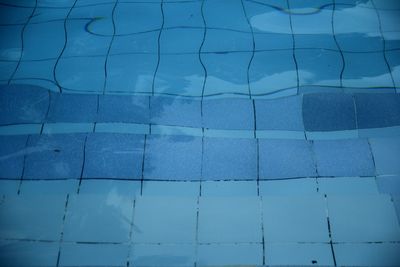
[199, 133]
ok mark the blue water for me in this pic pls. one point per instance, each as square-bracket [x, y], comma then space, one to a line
[199, 133]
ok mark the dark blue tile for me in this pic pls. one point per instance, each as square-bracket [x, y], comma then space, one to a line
[172, 158]
[377, 110]
[328, 112]
[54, 156]
[285, 159]
[280, 114]
[12, 150]
[122, 108]
[113, 156]
[175, 111]
[23, 104]
[229, 159]
[229, 113]
[72, 108]
[344, 158]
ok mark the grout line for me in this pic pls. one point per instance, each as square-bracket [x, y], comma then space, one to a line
[337, 43]
[262, 229]
[128, 260]
[258, 166]
[329, 230]
[294, 48]
[201, 61]
[62, 230]
[83, 164]
[196, 252]
[158, 48]
[23, 165]
[143, 162]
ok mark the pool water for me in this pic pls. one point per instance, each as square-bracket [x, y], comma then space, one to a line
[199, 133]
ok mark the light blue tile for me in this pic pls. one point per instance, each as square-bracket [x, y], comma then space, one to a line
[271, 41]
[39, 73]
[10, 47]
[396, 203]
[285, 159]
[218, 40]
[317, 40]
[347, 186]
[385, 254]
[280, 114]
[9, 187]
[162, 255]
[229, 220]
[366, 70]
[60, 128]
[333, 135]
[54, 156]
[84, 74]
[300, 254]
[344, 158]
[393, 131]
[229, 189]
[181, 75]
[183, 14]
[229, 133]
[110, 187]
[127, 128]
[308, 14]
[98, 218]
[53, 187]
[114, 156]
[181, 40]
[135, 43]
[72, 108]
[389, 184]
[269, 78]
[21, 129]
[234, 17]
[44, 40]
[357, 42]
[393, 59]
[44, 214]
[377, 110]
[292, 187]
[175, 111]
[228, 113]
[171, 189]
[137, 17]
[363, 219]
[319, 67]
[328, 112]
[277, 134]
[229, 159]
[130, 73]
[122, 108]
[23, 104]
[12, 156]
[361, 20]
[386, 153]
[93, 254]
[176, 130]
[24, 253]
[226, 73]
[229, 254]
[173, 158]
[295, 219]
[164, 220]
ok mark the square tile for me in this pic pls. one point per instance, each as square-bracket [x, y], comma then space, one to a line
[146, 42]
[181, 40]
[72, 108]
[389, 184]
[122, 108]
[377, 110]
[272, 40]
[175, 111]
[28, 254]
[328, 112]
[165, 220]
[12, 151]
[358, 42]
[219, 40]
[363, 20]
[348, 186]
[291, 187]
[230, 255]
[313, 41]
[229, 113]
[98, 218]
[9, 187]
[44, 214]
[285, 159]
[182, 14]
[361, 254]
[300, 254]
[229, 189]
[164, 157]
[163, 255]
[386, 152]
[393, 58]
[171, 189]
[295, 219]
[234, 18]
[54, 156]
[49, 187]
[306, 24]
[93, 254]
[280, 114]
[363, 219]
[344, 158]
[110, 187]
[37, 73]
[229, 159]
[229, 220]
[114, 156]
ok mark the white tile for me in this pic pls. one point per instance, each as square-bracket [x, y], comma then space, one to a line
[171, 188]
[290, 187]
[163, 255]
[229, 188]
[295, 219]
[113, 187]
[347, 186]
